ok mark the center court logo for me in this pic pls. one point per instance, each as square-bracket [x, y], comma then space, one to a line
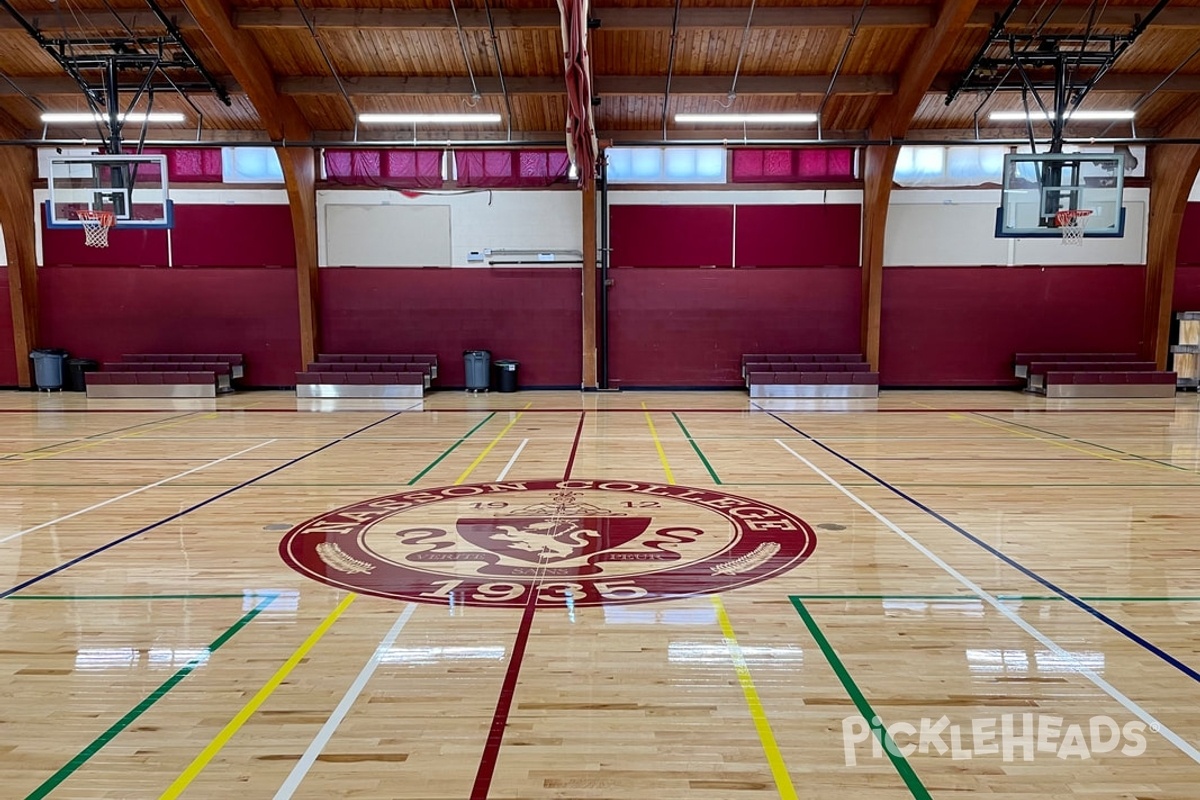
[575, 542]
[1012, 737]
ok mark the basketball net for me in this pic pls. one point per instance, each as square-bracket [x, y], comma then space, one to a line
[96, 225]
[1073, 223]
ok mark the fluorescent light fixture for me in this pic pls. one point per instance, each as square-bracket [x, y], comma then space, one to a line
[429, 119]
[1038, 116]
[69, 117]
[746, 119]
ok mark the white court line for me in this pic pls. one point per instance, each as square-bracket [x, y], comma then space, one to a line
[512, 460]
[74, 514]
[1145, 716]
[323, 736]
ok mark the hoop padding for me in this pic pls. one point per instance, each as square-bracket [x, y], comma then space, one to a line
[1073, 223]
[96, 225]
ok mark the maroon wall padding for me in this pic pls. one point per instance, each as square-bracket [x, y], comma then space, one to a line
[104, 312]
[961, 326]
[671, 236]
[673, 327]
[1187, 288]
[530, 315]
[8, 364]
[798, 236]
[63, 247]
[233, 236]
[1189, 236]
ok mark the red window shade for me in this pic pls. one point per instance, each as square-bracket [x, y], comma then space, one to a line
[499, 169]
[397, 169]
[792, 166]
[187, 165]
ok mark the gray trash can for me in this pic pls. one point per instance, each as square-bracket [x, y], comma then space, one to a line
[478, 369]
[506, 374]
[48, 368]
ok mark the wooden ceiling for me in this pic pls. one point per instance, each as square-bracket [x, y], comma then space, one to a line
[409, 56]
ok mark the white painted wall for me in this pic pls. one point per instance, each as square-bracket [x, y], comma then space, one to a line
[1194, 197]
[515, 219]
[956, 228]
[759, 197]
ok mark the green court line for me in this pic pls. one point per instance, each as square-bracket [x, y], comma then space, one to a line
[124, 722]
[133, 596]
[963, 598]
[901, 764]
[712, 472]
[450, 450]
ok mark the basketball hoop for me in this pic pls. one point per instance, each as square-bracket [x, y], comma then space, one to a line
[95, 227]
[1073, 222]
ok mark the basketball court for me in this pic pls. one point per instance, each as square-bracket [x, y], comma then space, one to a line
[470, 400]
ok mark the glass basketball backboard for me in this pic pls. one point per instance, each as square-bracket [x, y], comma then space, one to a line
[133, 188]
[1036, 187]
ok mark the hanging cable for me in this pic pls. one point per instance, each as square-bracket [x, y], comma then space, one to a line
[462, 42]
[741, 55]
[841, 60]
[312, 29]
[487, 7]
[670, 67]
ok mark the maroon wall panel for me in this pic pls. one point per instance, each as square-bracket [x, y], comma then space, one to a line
[103, 312]
[960, 326]
[672, 327]
[531, 315]
[671, 236]
[137, 246]
[798, 236]
[233, 236]
[1189, 236]
[1187, 288]
[8, 364]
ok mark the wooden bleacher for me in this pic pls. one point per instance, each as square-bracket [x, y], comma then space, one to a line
[335, 375]
[166, 375]
[809, 375]
[1093, 375]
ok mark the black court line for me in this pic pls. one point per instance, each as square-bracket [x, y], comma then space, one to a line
[1133, 456]
[1007, 559]
[14, 456]
[96, 551]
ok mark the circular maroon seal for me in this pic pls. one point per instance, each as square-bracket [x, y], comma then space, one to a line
[574, 542]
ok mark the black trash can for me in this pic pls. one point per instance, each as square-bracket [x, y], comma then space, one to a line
[477, 365]
[47, 370]
[506, 374]
[76, 367]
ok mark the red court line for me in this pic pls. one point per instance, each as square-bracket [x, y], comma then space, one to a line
[574, 447]
[491, 748]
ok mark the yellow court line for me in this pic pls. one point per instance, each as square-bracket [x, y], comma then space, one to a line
[1058, 443]
[662, 454]
[206, 755]
[479, 459]
[783, 781]
[96, 442]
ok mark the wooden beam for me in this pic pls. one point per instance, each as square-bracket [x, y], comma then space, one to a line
[893, 120]
[51, 24]
[611, 19]
[589, 277]
[19, 167]
[282, 119]
[1173, 170]
[623, 19]
[378, 86]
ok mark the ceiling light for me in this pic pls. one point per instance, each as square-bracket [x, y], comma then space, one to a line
[1039, 116]
[429, 119]
[747, 119]
[84, 117]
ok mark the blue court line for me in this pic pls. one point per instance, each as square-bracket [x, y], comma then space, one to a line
[1012, 562]
[68, 564]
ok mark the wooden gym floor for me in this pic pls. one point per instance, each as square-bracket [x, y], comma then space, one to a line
[987, 565]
